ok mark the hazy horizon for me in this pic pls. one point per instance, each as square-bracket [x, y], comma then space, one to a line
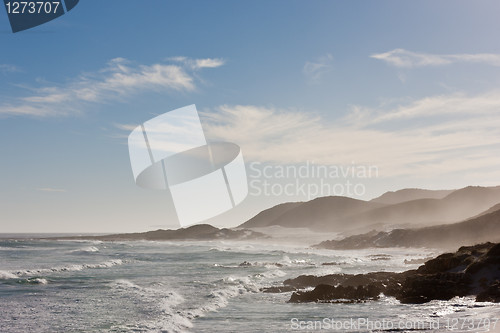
[397, 200]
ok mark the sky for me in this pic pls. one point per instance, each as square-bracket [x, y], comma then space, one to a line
[410, 88]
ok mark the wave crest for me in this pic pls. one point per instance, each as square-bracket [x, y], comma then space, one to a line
[85, 250]
[69, 268]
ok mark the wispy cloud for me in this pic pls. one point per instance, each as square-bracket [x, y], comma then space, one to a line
[196, 64]
[456, 105]
[462, 136]
[407, 59]
[126, 127]
[7, 68]
[50, 189]
[315, 70]
[120, 78]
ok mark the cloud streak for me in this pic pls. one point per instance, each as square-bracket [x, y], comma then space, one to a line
[51, 190]
[445, 144]
[406, 59]
[7, 68]
[196, 64]
[315, 70]
[119, 79]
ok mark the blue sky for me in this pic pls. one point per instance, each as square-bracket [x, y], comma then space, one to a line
[412, 87]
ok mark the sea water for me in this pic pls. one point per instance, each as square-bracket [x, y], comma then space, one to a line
[211, 286]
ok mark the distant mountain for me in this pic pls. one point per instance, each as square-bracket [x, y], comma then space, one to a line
[339, 214]
[408, 194]
[456, 206]
[491, 210]
[485, 228]
[196, 232]
[314, 214]
[266, 217]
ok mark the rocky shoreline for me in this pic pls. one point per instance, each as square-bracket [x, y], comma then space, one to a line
[196, 232]
[472, 270]
[472, 231]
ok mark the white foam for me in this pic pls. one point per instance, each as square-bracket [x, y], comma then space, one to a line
[79, 241]
[172, 297]
[85, 250]
[166, 300]
[8, 275]
[286, 259]
[234, 286]
[37, 281]
[4, 275]
[69, 268]
[273, 273]
[219, 298]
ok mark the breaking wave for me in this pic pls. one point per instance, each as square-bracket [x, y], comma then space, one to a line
[4, 275]
[165, 302]
[70, 268]
[35, 280]
[85, 250]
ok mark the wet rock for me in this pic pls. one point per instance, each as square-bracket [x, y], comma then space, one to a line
[245, 264]
[328, 293]
[472, 270]
[491, 294]
[333, 263]
[422, 288]
[458, 261]
[359, 287]
[304, 281]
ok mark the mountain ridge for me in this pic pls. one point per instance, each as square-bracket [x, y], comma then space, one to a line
[407, 194]
[484, 228]
[341, 214]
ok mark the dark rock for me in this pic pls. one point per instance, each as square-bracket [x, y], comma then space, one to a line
[491, 294]
[444, 263]
[385, 280]
[414, 300]
[469, 271]
[304, 281]
[472, 270]
[485, 260]
[333, 263]
[350, 287]
[494, 251]
[423, 288]
[328, 293]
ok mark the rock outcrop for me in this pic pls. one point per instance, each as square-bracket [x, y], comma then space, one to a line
[472, 270]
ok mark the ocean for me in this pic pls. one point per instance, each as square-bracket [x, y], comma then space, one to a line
[210, 286]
